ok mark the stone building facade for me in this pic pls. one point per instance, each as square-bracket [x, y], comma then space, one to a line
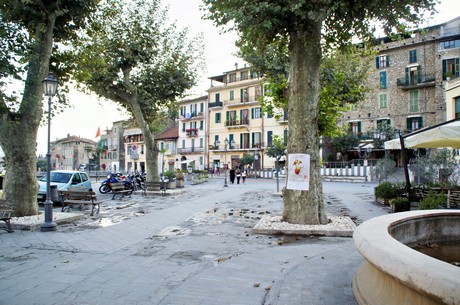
[72, 153]
[408, 81]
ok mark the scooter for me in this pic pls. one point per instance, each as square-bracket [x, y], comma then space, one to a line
[112, 178]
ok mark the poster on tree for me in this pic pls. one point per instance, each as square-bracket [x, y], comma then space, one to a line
[298, 172]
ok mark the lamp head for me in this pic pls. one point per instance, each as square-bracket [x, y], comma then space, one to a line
[50, 84]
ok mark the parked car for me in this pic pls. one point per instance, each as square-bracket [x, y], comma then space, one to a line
[64, 180]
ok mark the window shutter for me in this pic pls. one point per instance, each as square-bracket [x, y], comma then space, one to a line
[388, 60]
[420, 122]
[419, 74]
[408, 125]
[444, 69]
[252, 113]
[359, 126]
[377, 62]
[457, 67]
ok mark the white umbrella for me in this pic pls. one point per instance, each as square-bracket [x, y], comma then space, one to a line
[446, 134]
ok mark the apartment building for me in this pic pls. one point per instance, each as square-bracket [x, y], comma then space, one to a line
[112, 157]
[167, 144]
[192, 133]
[72, 153]
[409, 80]
[236, 123]
[134, 147]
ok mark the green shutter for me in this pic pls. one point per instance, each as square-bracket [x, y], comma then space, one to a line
[252, 113]
[407, 76]
[419, 74]
[444, 69]
[420, 122]
[388, 60]
[408, 125]
[457, 67]
[377, 62]
[359, 126]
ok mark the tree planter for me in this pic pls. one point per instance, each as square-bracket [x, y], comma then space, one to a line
[180, 183]
[172, 185]
[382, 201]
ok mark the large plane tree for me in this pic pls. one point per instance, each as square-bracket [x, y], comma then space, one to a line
[308, 27]
[132, 55]
[29, 30]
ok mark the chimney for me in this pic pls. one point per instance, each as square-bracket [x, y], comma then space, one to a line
[236, 66]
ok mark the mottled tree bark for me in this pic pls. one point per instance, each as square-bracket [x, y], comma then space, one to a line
[305, 207]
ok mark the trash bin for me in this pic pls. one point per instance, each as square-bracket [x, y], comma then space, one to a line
[54, 193]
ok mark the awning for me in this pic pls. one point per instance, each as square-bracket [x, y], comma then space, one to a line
[443, 135]
[187, 161]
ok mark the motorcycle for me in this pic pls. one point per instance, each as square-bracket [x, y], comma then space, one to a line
[113, 178]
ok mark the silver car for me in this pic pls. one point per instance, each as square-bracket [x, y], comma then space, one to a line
[64, 180]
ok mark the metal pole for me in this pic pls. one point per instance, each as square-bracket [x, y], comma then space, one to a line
[277, 176]
[49, 225]
[225, 167]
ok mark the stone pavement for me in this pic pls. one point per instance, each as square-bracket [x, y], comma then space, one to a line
[195, 247]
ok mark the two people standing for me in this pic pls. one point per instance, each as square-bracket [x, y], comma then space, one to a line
[239, 174]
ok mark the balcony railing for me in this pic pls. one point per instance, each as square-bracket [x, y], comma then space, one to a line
[216, 104]
[190, 150]
[251, 99]
[419, 81]
[192, 132]
[191, 116]
[236, 123]
[237, 147]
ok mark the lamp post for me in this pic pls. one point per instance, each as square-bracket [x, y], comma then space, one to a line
[50, 84]
[216, 147]
[256, 158]
[225, 158]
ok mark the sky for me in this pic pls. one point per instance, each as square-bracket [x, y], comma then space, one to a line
[88, 113]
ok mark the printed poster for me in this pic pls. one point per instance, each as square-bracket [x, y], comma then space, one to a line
[298, 172]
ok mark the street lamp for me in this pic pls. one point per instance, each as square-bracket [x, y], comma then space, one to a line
[225, 158]
[50, 84]
[256, 158]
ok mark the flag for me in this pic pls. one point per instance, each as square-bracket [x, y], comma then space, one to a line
[98, 133]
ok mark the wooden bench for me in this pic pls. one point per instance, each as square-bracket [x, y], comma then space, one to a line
[80, 198]
[159, 184]
[118, 188]
[6, 212]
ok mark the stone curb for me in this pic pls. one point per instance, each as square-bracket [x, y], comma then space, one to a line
[35, 222]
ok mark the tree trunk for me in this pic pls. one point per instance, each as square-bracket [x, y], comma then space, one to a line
[151, 151]
[18, 129]
[305, 207]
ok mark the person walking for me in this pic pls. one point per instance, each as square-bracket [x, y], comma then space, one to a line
[232, 175]
[243, 175]
[238, 176]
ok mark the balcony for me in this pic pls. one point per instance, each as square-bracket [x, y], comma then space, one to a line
[215, 105]
[236, 147]
[283, 119]
[416, 82]
[237, 123]
[190, 150]
[192, 116]
[246, 100]
[192, 132]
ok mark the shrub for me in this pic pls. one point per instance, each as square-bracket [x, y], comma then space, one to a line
[432, 201]
[386, 190]
[400, 204]
[171, 175]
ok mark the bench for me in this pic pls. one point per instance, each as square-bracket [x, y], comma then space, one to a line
[159, 184]
[6, 212]
[118, 188]
[80, 198]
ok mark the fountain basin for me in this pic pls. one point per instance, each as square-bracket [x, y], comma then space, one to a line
[394, 273]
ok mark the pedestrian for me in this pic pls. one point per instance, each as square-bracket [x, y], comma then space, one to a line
[243, 175]
[232, 175]
[238, 176]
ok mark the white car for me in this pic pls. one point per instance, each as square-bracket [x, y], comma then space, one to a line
[64, 180]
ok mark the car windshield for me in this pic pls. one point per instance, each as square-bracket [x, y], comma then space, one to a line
[58, 177]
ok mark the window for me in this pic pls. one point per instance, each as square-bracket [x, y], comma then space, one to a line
[412, 56]
[231, 118]
[450, 44]
[413, 101]
[244, 75]
[256, 113]
[183, 127]
[414, 123]
[244, 140]
[383, 100]
[355, 127]
[383, 80]
[201, 160]
[256, 139]
[450, 68]
[216, 139]
[201, 107]
[457, 107]
[183, 144]
[413, 75]
[244, 117]
[269, 138]
[231, 138]
[217, 120]
[201, 142]
[232, 78]
[244, 95]
[201, 125]
[182, 111]
[382, 61]
[232, 95]
[217, 97]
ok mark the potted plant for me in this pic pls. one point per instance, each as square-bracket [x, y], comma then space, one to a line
[171, 176]
[179, 179]
[433, 201]
[385, 191]
[399, 204]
